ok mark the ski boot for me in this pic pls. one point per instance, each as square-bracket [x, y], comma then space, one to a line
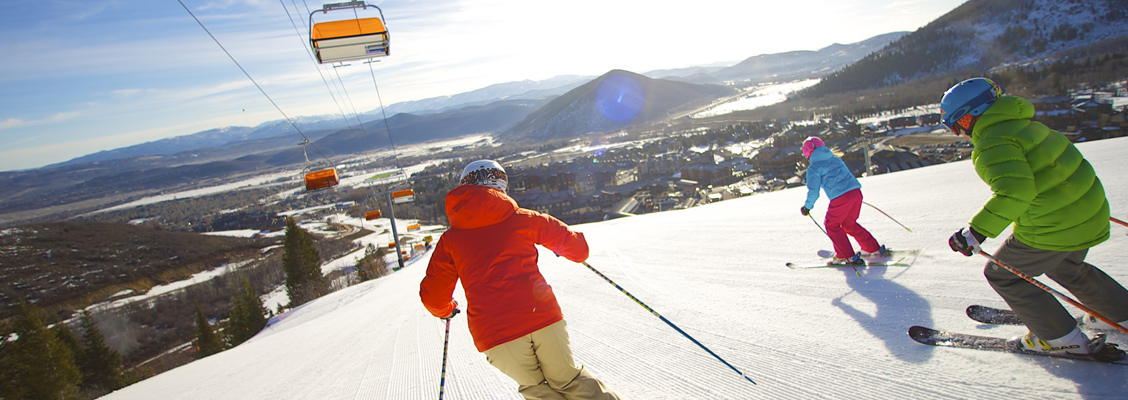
[881, 252]
[856, 261]
[1074, 342]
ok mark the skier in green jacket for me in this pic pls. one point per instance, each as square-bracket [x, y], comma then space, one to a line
[1042, 184]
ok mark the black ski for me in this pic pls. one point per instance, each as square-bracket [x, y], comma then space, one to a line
[1110, 354]
[994, 316]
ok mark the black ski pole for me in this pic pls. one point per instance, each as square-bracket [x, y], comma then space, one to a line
[446, 342]
[856, 272]
[671, 324]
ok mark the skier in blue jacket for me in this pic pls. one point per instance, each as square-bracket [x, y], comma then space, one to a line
[829, 173]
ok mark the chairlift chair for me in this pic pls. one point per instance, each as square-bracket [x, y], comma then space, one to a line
[319, 179]
[345, 36]
[403, 196]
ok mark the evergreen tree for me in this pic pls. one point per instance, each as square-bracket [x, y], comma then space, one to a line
[247, 316]
[38, 365]
[302, 264]
[372, 266]
[8, 382]
[66, 337]
[100, 365]
[208, 341]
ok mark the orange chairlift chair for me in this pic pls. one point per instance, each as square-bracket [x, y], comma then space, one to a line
[321, 179]
[344, 36]
[318, 179]
[403, 196]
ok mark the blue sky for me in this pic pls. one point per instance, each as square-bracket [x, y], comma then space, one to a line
[80, 77]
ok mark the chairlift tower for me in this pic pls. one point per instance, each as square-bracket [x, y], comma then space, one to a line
[866, 171]
[395, 196]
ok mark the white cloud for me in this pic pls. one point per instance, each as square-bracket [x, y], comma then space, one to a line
[10, 123]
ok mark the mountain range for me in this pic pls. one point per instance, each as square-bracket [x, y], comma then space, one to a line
[975, 38]
[476, 111]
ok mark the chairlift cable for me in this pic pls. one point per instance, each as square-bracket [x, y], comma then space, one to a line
[252, 79]
[343, 88]
[349, 102]
[384, 114]
[309, 52]
[395, 152]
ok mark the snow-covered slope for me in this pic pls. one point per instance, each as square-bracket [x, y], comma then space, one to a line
[716, 271]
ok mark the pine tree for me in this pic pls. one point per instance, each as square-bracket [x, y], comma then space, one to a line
[372, 266]
[38, 365]
[208, 341]
[66, 337]
[247, 316]
[100, 365]
[302, 264]
[8, 382]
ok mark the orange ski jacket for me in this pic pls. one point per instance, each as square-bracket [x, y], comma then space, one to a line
[491, 247]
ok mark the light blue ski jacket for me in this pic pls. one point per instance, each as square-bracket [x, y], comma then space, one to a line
[829, 173]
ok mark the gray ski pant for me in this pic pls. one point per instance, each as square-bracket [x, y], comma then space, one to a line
[1041, 312]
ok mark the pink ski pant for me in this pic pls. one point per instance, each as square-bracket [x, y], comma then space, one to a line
[842, 219]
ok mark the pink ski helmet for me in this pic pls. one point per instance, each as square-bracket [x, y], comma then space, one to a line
[810, 144]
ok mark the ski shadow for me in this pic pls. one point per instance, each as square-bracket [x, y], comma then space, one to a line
[898, 308]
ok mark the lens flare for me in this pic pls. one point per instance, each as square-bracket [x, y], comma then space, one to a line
[619, 98]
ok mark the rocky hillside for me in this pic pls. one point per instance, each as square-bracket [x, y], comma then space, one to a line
[982, 35]
[71, 264]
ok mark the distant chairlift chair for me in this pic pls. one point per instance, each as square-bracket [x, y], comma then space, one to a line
[348, 39]
[320, 179]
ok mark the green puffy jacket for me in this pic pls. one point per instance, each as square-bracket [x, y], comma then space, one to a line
[1039, 180]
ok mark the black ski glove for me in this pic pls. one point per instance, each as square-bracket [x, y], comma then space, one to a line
[804, 210]
[966, 241]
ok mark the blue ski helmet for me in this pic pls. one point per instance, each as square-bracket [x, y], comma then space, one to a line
[967, 99]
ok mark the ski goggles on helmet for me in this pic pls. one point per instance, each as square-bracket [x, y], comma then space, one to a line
[479, 176]
[965, 113]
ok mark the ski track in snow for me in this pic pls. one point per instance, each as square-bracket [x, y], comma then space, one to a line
[717, 272]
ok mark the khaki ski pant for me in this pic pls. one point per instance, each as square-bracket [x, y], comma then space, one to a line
[542, 365]
[1039, 309]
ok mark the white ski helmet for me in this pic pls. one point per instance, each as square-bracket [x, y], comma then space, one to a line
[485, 173]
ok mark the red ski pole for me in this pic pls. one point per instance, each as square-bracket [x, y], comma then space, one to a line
[887, 215]
[1075, 303]
[1118, 221]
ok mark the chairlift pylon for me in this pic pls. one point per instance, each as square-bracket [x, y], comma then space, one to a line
[343, 36]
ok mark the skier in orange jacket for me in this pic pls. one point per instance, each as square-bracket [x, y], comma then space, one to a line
[511, 310]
